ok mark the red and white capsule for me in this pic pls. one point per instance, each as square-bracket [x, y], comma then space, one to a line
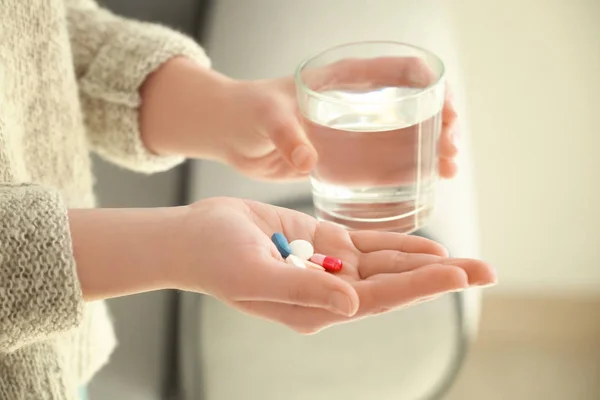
[330, 264]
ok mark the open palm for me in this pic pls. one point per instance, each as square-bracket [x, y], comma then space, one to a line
[382, 270]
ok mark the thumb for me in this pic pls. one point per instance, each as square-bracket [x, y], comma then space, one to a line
[289, 138]
[282, 283]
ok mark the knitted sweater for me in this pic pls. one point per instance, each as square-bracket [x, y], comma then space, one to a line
[69, 79]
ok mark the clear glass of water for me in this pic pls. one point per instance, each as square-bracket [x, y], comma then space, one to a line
[373, 112]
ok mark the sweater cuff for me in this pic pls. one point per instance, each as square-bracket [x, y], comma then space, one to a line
[39, 289]
[110, 89]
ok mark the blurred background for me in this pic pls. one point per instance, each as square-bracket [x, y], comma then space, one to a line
[526, 79]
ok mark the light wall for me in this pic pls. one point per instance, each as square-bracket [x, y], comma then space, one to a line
[532, 72]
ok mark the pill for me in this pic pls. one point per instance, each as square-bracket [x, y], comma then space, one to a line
[282, 244]
[330, 264]
[310, 264]
[295, 261]
[302, 249]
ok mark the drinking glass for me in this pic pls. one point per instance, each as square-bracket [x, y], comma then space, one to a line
[373, 112]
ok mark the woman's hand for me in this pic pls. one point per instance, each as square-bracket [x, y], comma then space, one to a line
[256, 126]
[222, 247]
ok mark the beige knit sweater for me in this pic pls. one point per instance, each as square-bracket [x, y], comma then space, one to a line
[69, 79]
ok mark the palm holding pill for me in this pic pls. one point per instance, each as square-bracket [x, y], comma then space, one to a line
[226, 244]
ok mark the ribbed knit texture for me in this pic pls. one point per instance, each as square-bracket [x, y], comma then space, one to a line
[70, 74]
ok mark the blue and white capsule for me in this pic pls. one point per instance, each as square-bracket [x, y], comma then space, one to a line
[282, 244]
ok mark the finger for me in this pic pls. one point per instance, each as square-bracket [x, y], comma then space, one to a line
[449, 114]
[391, 261]
[447, 169]
[273, 168]
[369, 241]
[394, 262]
[283, 283]
[282, 171]
[480, 273]
[448, 147]
[290, 140]
[448, 143]
[387, 293]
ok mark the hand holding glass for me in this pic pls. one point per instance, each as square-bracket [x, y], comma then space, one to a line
[373, 112]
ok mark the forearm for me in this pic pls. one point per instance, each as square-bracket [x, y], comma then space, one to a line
[183, 105]
[123, 251]
[112, 57]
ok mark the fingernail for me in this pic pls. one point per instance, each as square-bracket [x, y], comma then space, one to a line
[302, 157]
[444, 251]
[340, 303]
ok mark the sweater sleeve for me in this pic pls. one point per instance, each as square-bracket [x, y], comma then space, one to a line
[40, 293]
[113, 56]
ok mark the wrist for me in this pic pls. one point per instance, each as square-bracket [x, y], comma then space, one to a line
[123, 251]
[184, 107]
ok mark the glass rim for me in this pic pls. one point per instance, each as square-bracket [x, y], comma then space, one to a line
[301, 85]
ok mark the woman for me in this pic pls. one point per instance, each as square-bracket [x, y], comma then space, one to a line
[75, 78]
